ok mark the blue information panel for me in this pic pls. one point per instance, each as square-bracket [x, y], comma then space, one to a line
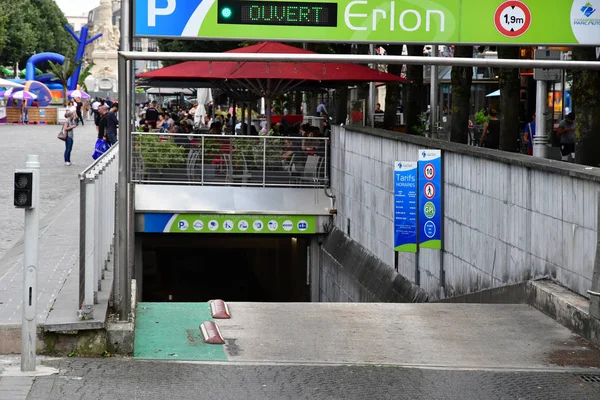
[405, 206]
[430, 199]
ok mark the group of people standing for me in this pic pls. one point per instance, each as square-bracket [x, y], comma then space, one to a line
[105, 118]
[565, 132]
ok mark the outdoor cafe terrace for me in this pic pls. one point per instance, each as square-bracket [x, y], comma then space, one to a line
[206, 159]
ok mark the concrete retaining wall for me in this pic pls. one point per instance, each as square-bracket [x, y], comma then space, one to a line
[508, 217]
[350, 273]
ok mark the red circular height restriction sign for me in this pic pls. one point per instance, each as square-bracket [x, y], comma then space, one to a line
[512, 18]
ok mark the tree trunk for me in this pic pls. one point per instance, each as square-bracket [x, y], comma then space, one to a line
[510, 94]
[586, 105]
[392, 90]
[297, 102]
[341, 105]
[416, 91]
[461, 79]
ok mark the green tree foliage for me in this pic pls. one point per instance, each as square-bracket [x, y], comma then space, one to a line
[28, 26]
[85, 73]
[586, 105]
[62, 74]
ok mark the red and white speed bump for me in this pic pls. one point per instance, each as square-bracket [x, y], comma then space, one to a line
[211, 333]
[219, 309]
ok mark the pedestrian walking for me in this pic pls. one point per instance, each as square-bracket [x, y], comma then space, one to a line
[566, 131]
[529, 135]
[79, 110]
[112, 123]
[69, 128]
[490, 138]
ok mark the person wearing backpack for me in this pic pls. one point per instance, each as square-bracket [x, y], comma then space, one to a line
[529, 135]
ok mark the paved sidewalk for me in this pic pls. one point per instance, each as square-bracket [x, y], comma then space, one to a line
[59, 224]
[57, 180]
[125, 379]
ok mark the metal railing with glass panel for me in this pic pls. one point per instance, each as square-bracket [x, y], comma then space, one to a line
[197, 159]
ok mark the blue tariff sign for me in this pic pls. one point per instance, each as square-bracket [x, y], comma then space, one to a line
[405, 206]
[430, 199]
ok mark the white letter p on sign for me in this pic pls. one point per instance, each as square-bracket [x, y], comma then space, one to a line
[153, 11]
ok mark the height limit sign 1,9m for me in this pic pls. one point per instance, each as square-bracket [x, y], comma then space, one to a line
[512, 18]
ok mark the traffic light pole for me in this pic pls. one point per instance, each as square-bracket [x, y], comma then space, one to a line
[30, 263]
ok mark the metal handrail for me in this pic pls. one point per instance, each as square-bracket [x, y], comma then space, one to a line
[360, 59]
[96, 226]
[112, 151]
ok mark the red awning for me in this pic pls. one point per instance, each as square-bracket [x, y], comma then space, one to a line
[198, 71]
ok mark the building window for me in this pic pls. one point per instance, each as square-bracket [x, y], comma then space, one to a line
[152, 45]
[152, 65]
[137, 45]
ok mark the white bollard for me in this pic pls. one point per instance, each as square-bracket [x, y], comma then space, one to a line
[30, 263]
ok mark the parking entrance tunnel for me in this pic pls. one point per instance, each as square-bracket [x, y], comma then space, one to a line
[189, 268]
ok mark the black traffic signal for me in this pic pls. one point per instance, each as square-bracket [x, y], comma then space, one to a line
[23, 189]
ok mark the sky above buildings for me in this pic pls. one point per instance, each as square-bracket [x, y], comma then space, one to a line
[77, 7]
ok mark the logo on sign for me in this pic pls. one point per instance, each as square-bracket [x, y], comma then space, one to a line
[198, 225]
[183, 225]
[243, 225]
[429, 171]
[429, 210]
[399, 165]
[228, 225]
[585, 21]
[258, 225]
[429, 229]
[302, 225]
[287, 225]
[429, 190]
[213, 225]
[273, 225]
[587, 10]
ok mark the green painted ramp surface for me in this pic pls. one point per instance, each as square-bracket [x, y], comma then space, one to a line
[171, 331]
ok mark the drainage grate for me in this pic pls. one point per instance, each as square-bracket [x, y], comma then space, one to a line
[590, 378]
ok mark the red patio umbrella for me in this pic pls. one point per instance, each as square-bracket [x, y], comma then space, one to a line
[266, 79]
[284, 75]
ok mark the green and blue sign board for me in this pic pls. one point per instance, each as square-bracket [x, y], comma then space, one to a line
[476, 22]
[418, 202]
[229, 223]
[405, 206]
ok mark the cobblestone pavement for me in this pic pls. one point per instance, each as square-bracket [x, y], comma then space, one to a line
[118, 379]
[57, 180]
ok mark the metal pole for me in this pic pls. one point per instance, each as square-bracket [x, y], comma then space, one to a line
[362, 59]
[433, 104]
[563, 83]
[30, 263]
[122, 259]
[540, 140]
[372, 94]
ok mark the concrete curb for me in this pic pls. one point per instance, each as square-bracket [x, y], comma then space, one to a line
[562, 305]
[565, 307]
